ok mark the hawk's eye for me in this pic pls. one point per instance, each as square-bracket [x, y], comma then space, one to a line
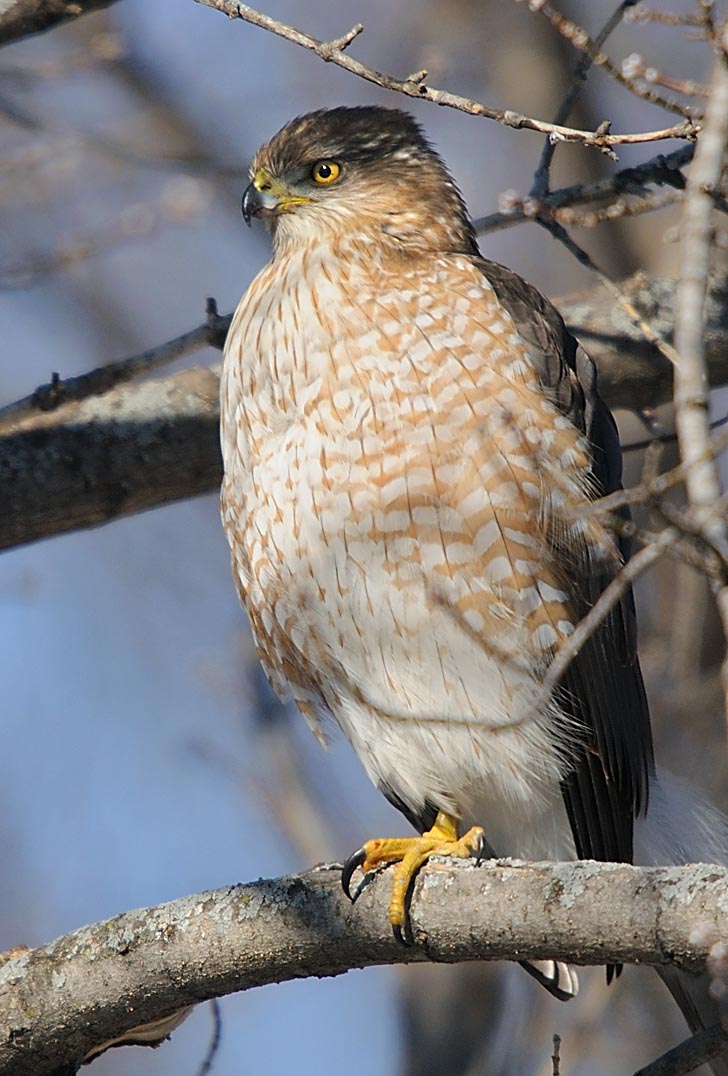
[325, 172]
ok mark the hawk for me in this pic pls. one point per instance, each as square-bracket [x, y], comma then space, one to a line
[412, 443]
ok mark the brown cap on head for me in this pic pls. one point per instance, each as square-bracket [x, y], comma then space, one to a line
[365, 168]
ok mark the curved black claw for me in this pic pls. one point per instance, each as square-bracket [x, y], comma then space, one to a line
[347, 871]
[480, 850]
[400, 936]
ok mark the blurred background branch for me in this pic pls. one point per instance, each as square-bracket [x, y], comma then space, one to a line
[19, 18]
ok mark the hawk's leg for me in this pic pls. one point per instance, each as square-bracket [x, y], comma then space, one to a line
[412, 852]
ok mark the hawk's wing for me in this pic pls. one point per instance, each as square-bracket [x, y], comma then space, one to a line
[602, 687]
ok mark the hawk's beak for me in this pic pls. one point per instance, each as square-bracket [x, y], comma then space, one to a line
[266, 196]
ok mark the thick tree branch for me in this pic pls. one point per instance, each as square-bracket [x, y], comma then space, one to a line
[19, 18]
[632, 374]
[59, 1002]
[137, 447]
[142, 445]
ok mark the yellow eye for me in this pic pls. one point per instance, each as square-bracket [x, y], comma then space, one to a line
[325, 172]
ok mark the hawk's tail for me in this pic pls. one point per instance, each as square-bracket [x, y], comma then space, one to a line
[558, 978]
[681, 828]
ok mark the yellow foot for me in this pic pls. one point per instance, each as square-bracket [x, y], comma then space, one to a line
[412, 852]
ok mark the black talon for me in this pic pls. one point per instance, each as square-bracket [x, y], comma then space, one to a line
[400, 937]
[480, 851]
[347, 871]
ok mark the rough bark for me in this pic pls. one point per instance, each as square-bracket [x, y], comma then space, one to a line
[140, 446]
[59, 1002]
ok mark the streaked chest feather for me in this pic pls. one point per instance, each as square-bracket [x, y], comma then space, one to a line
[392, 462]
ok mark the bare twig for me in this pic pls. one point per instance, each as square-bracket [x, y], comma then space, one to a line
[619, 209]
[144, 965]
[213, 1048]
[48, 397]
[415, 86]
[691, 383]
[653, 485]
[635, 67]
[663, 169]
[556, 1056]
[560, 233]
[638, 563]
[541, 179]
[580, 39]
[641, 13]
[689, 1055]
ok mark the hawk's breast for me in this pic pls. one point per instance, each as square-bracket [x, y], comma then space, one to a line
[394, 479]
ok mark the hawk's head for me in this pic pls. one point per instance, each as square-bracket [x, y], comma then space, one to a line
[357, 171]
